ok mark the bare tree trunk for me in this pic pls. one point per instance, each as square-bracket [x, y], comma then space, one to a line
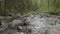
[9, 6]
[54, 3]
[22, 7]
[35, 4]
[5, 12]
[48, 3]
[40, 3]
[16, 5]
[0, 6]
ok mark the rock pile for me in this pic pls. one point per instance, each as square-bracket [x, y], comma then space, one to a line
[30, 24]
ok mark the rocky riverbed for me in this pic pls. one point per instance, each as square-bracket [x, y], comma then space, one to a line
[30, 24]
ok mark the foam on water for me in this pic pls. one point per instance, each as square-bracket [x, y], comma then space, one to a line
[39, 24]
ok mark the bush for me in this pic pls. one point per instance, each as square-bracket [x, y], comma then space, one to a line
[54, 11]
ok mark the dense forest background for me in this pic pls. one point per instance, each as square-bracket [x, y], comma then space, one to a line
[25, 6]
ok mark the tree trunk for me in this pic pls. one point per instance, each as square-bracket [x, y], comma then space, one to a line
[48, 3]
[54, 3]
[5, 12]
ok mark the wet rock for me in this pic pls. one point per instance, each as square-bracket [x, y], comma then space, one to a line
[0, 22]
[19, 33]
[34, 24]
[53, 31]
[13, 23]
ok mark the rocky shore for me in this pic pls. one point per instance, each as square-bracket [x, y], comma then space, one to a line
[30, 24]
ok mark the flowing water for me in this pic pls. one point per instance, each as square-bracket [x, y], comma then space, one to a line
[39, 24]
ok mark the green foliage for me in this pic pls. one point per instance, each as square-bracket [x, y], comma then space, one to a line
[25, 6]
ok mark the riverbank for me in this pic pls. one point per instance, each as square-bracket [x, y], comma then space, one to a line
[31, 23]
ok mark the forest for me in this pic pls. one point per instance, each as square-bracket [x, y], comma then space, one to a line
[25, 6]
[29, 16]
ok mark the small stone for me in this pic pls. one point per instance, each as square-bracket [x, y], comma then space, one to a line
[21, 33]
[20, 27]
